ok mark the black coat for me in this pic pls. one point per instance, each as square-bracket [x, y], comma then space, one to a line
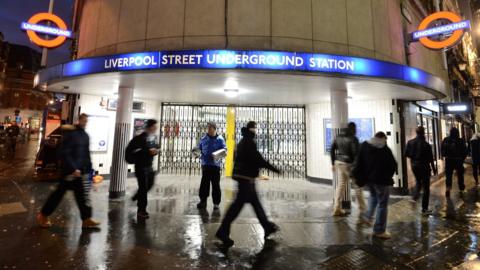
[374, 164]
[475, 150]
[344, 148]
[248, 161]
[455, 148]
[75, 151]
[141, 148]
[419, 151]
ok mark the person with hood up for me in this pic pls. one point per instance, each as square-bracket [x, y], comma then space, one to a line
[248, 162]
[375, 167]
[421, 159]
[475, 154]
[454, 150]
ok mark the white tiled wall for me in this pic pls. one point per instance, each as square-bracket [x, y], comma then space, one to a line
[90, 104]
[318, 162]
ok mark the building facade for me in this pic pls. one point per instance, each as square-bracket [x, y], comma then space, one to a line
[301, 68]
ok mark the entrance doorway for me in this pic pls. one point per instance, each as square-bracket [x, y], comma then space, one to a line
[281, 135]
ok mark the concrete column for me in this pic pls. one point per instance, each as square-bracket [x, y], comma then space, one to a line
[339, 113]
[119, 170]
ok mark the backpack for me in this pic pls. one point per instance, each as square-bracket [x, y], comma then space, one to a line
[130, 156]
[451, 149]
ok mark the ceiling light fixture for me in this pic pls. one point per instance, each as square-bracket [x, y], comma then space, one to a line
[231, 92]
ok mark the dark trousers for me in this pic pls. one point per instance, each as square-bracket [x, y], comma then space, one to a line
[210, 174]
[454, 165]
[145, 178]
[422, 176]
[247, 193]
[475, 169]
[80, 187]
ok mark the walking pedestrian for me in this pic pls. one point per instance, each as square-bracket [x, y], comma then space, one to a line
[248, 162]
[12, 132]
[475, 154]
[76, 168]
[421, 160]
[143, 148]
[375, 166]
[211, 167]
[454, 150]
[343, 153]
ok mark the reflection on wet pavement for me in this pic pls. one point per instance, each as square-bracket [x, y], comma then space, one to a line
[178, 236]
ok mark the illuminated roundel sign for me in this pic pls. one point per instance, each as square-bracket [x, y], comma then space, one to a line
[449, 34]
[59, 30]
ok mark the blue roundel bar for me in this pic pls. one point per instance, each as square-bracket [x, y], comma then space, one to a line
[249, 60]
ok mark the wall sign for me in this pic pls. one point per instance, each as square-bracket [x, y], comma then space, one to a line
[33, 29]
[442, 36]
[457, 108]
[365, 130]
[98, 140]
[250, 60]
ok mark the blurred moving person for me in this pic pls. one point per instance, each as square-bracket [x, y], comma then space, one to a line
[77, 166]
[248, 162]
[454, 150]
[421, 160]
[343, 153]
[140, 151]
[375, 166]
[475, 154]
[211, 166]
[12, 132]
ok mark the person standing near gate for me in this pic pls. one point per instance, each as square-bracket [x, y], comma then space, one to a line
[76, 168]
[475, 154]
[248, 162]
[454, 150]
[211, 166]
[12, 132]
[140, 151]
[421, 160]
[343, 153]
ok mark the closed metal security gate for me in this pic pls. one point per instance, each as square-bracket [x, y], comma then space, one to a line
[281, 135]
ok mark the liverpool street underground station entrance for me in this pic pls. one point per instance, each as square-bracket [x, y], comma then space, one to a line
[299, 100]
[281, 135]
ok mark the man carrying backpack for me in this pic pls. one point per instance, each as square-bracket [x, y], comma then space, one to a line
[140, 151]
[454, 150]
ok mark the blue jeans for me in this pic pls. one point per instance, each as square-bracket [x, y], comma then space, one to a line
[379, 195]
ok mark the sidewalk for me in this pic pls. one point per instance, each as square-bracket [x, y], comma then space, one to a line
[177, 236]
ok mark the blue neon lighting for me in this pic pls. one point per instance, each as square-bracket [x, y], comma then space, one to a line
[443, 29]
[46, 29]
[252, 60]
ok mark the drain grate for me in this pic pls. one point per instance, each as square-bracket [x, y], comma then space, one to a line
[356, 259]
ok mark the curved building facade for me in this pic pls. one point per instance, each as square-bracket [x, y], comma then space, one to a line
[301, 68]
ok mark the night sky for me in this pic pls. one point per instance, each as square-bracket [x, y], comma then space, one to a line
[13, 12]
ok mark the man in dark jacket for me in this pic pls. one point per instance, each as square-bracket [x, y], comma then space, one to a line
[248, 162]
[454, 150]
[421, 159]
[145, 148]
[343, 152]
[211, 167]
[12, 132]
[375, 165]
[475, 154]
[76, 169]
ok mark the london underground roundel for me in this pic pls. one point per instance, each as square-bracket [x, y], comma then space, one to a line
[446, 35]
[58, 29]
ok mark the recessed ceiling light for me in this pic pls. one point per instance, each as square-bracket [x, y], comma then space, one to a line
[231, 92]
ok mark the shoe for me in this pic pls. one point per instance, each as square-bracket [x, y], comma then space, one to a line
[227, 242]
[427, 212]
[90, 223]
[201, 205]
[384, 235]
[216, 207]
[339, 213]
[364, 221]
[143, 214]
[43, 221]
[273, 229]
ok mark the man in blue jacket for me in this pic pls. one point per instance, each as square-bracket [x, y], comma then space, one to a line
[211, 167]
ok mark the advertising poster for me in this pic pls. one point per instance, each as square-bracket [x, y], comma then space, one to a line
[365, 130]
[97, 129]
[138, 126]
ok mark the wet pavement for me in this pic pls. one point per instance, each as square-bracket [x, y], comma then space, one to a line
[178, 236]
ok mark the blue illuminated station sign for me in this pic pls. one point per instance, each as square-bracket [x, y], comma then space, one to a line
[248, 60]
